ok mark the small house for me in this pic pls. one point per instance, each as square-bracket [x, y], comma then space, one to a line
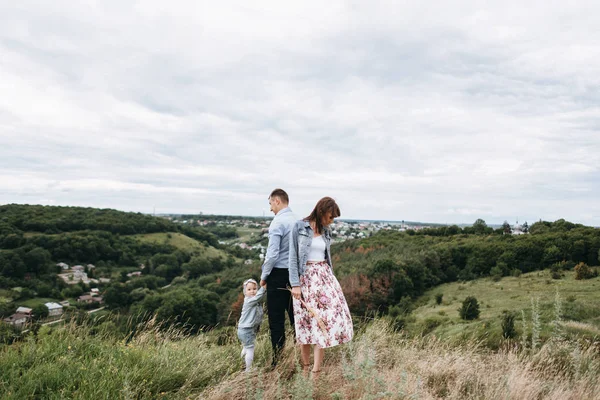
[86, 298]
[24, 310]
[17, 319]
[54, 309]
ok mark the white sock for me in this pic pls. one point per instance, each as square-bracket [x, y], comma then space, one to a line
[249, 357]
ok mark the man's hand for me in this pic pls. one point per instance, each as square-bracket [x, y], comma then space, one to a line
[296, 292]
[263, 283]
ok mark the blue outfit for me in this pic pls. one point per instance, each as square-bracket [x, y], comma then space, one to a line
[279, 237]
[300, 243]
[275, 274]
[252, 315]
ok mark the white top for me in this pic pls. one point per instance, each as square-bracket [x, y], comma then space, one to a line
[317, 249]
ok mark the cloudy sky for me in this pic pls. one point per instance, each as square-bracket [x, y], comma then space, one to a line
[400, 110]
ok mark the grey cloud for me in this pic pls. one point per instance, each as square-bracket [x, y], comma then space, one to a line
[398, 111]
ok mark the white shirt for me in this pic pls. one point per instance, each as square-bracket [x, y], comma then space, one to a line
[317, 249]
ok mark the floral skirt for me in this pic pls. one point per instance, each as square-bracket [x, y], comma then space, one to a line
[322, 293]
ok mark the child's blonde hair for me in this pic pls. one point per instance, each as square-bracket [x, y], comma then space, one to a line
[247, 281]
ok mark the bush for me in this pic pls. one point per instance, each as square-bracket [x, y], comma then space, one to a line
[438, 298]
[496, 273]
[583, 271]
[40, 311]
[469, 309]
[429, 324]
[555, 272]
[508, 325]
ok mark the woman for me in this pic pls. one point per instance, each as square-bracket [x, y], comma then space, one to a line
[321, 313]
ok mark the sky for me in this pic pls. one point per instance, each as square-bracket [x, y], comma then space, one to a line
[403, 110]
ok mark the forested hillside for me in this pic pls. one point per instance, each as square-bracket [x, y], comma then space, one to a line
[188, 277]
[110, 244]
[394, 268]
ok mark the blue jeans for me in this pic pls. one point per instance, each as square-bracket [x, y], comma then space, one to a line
[247, 336]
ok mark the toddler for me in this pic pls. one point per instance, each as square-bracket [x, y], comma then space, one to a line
[252, 315]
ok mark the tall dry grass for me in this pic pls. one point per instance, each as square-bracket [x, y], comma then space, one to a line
[382, 364]
[379, 364]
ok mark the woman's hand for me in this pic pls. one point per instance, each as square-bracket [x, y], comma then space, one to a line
[296, 292]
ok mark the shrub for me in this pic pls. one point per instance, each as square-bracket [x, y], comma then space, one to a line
[429, 324]
[496, 273]
[469, 309]
[508, 325]
[556, 271]
[438, 298]
[583, 271]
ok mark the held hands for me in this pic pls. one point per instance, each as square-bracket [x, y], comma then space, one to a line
[296, 292]
[263, 283]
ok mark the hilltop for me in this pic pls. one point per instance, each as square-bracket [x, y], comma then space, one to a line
[76, 362]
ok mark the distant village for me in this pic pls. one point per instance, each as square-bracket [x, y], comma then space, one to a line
[71, 275]
[342, 230]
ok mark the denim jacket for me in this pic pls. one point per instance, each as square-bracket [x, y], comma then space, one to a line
[300, 242]
[252, 312]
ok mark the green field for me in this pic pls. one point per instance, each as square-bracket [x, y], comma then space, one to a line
[247, 235]
[31, 303]
[580, 303]
[182, 242]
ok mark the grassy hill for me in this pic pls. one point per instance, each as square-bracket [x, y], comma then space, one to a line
[182, 242]
[71, 362]
[580, 304]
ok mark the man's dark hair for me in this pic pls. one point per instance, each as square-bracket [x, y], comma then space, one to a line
[283, 196]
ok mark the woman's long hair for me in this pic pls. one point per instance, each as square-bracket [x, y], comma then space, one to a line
[325, 205]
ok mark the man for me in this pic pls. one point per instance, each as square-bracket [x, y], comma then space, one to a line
[275, 270]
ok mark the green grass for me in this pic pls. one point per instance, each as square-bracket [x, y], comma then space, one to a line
[181, 242]
[31, 303]
[247, 234]
[580, 302]
[69, 362]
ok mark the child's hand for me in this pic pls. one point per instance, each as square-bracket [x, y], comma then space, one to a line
[263, 283]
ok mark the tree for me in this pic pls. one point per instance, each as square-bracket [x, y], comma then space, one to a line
[40, 311]
[525, 227]
[552, 254]
[469, 309]
[116, 296]
[506, 228]
[480, 227]
[197, 267]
